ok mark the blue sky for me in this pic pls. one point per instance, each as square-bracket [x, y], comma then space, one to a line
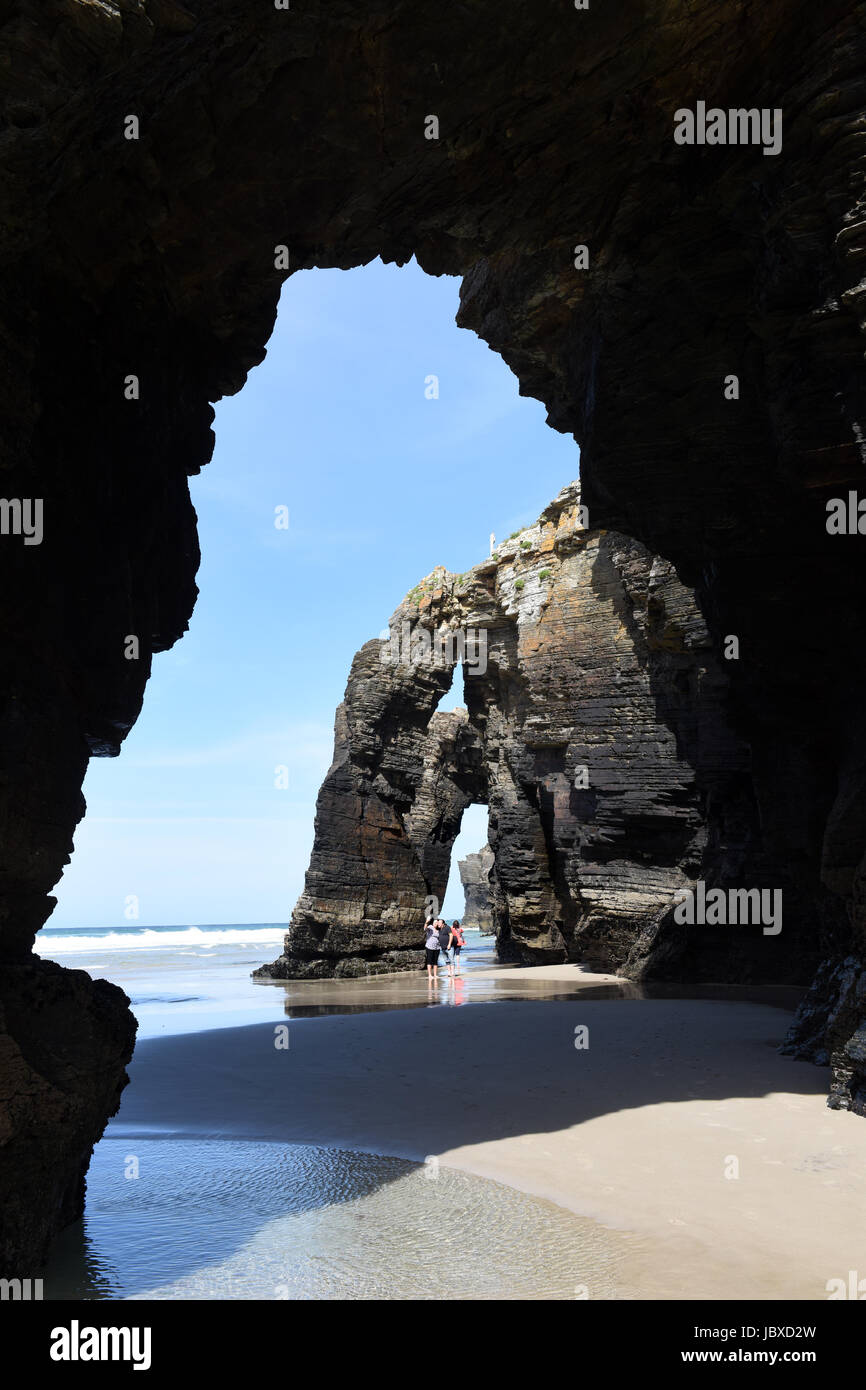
[381, 484]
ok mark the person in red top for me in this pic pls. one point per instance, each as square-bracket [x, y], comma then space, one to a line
[458, 941]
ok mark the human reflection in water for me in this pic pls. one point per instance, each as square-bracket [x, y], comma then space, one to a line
[458, 941]
[457, 992]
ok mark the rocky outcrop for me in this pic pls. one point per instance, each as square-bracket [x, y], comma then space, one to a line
[594, 731]
[160, 161]
[65, 1041]
[386, 819]
[474, 873]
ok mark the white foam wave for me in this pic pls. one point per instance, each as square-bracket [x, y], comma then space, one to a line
[147, 940]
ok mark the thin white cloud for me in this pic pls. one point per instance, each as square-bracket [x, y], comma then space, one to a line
[296, 744]
[186, 820]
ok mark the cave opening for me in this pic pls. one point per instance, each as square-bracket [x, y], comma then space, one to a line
[452, 698]
[696, 263]
[467, 893]
[341, 476]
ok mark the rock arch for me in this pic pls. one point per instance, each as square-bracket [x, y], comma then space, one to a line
[594, 730]
[261, 128]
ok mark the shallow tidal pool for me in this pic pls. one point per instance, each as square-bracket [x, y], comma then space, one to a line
[216, 1219]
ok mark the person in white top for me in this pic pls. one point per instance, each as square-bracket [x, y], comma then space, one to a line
[431, 947]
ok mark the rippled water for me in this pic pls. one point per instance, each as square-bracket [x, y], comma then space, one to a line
[236, 1220]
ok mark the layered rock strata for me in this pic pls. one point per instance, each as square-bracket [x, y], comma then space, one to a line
[474, 873]
[594, 731]
[386, 818]
[164, 162]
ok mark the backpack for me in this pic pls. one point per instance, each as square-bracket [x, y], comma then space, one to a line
[444, 937]
[458, 936]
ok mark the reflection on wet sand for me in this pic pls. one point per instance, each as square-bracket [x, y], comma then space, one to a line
[485, 982]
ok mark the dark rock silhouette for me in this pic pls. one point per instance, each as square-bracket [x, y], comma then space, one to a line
[387, 816]
[594, 731]
[160, 161]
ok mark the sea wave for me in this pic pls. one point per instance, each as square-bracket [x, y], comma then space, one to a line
[145, 939]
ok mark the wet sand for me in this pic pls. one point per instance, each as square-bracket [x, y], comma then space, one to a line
[484, 981]
[637, 1132]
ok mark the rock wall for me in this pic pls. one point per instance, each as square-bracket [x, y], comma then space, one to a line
[65, 1041]
[386, 818]
[252, 129]
[595, 732]
[474, 873]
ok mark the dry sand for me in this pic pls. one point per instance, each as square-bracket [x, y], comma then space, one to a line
[636, 1132]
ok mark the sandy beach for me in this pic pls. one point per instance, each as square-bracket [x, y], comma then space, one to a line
[642, 1131]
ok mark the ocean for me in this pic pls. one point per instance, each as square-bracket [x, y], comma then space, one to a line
[179, 979]
[184, 979]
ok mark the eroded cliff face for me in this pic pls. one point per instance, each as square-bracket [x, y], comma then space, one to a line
[595, 732]
[260, 128]
[477, 890]
[386, 819]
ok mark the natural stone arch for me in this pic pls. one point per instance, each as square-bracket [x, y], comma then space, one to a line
[241, 152]
[386, 818]
[595, 733]
[157, 256]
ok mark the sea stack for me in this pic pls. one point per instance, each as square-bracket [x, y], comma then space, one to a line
[475, 878]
